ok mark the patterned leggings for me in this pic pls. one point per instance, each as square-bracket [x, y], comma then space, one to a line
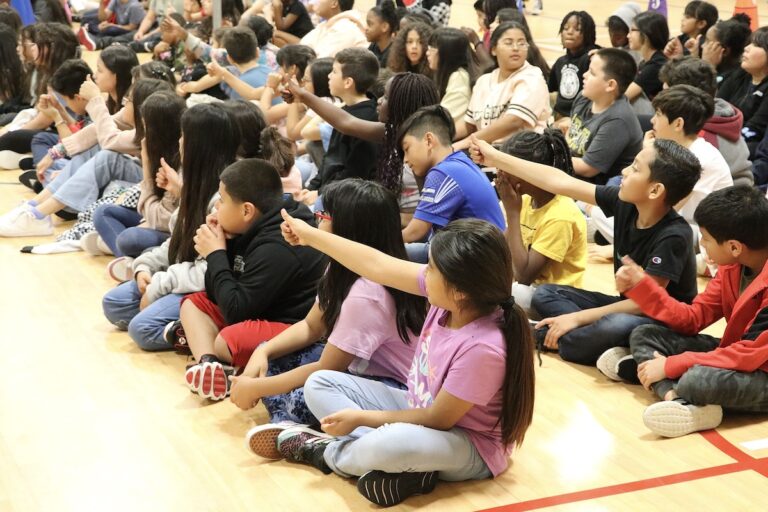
[291, 406]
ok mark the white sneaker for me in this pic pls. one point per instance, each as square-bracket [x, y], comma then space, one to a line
[22, 222]
[94, 245]
[10, 159]
[675, 418]
[121, 269]
[609, 361]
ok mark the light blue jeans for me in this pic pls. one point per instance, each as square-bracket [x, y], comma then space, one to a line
[80, 183]
[121, 307]
[393, 448]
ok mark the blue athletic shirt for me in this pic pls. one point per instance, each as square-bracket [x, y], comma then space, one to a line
[457, 189]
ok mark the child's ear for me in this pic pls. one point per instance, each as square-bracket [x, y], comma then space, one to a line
[679, 124]
[657, 190]
[735, 248]
[612, 85]
[249, 211]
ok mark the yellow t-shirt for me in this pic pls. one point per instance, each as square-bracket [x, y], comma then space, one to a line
[558, 231]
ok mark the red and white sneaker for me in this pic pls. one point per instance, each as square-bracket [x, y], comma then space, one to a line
[85, 39]
[209, 378]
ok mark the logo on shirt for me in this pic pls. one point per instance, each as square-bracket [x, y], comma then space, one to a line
[656, 260]
[239, 264]
[578, 136]
[445, 189]
[569, 81]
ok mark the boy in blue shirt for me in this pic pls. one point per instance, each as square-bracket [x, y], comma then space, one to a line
[243, 53]
[454, 187]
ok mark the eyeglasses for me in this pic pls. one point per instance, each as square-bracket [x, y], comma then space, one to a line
[516, 45]
[322, 215]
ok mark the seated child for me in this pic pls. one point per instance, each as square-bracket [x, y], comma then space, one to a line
[619, 24]
[582, 324]
[546, 233]
[343, 28]
[292, 21]
[603, 132]
[171, 48]
[454, 187]
[115, 18]
[697, 19]
[243, 55]
[470, 388]
[354, 71]
[381, 348]
[256, 285]
[696, 375]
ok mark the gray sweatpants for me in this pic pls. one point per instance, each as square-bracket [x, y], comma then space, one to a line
[393, 448]
[700, 385]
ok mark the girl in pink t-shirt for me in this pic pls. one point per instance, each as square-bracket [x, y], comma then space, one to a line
[381, 347]
[471, 384]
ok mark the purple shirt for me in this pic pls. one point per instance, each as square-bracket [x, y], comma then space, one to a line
[367, 328]
[469, 363]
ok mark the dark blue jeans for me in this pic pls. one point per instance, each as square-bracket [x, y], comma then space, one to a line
[585, 344]
[116, 225]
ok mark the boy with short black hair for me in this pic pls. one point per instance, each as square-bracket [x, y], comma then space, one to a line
[604, 134]
[697, 375]
[454, 187]
[243, 55]
[723, 128]
[582, 324]
[256, 285]
[354, 71]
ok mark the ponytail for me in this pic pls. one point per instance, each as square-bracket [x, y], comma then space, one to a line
[548, 148]
[278, 150]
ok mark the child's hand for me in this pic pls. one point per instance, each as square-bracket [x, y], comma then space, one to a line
[208, 240]
[274, 80]
[340, 423]
[160, 47]
[712, 52]
[244, 392]
[652, 371]
[258, 364]
[649, 138]
[291, 90]
[42, 166]
[692, 45]
[294, 230]
[212, 220]
[45, 105]
[673, 48]
[214, 69]
[628, 275]
[89, 89]
[170, 178]
[145, 302]
[558, 326]
[171, 25]
[104, 24]
[481, 152]
[143, 279]
[510, 194]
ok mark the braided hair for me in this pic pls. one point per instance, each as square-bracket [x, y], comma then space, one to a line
[408, 92]
[548, 148]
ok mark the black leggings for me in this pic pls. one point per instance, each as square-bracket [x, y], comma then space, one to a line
[18, 141]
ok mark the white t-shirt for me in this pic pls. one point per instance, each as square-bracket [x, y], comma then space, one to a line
[715, 175]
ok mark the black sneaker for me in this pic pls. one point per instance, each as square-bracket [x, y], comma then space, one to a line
[65, 215]
[29, 180]
[26, 164]
[302, 444]
[388, 489]
[626, 368]
[173, 334]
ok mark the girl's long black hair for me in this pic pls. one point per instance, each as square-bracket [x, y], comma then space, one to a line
[12, 76]
[473, 258]
[140, 91]
[367, 213]
[56, 43]
[120, 60]
[250, 122]
[408, 92]
[453, 53]
[161, 113]
[211, 139]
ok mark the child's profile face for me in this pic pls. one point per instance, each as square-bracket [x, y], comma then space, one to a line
[754, 60]
[595, 81]
[416, 154]
[662, 128]
[325, 8]
[382, 105]
[688, 25]
[438, 291]
[230, 213]
[373, 27]
[433, 58]
[619, 38]
[571, 36]
[104, 78]
[481, 20]
[635, 39]
[636, 182]
[720, 253]
[336, 80]
[414, 48]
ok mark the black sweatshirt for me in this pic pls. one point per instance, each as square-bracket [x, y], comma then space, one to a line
[261, 277]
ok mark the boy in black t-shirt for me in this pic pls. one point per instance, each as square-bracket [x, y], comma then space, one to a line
[582, 324]
[354, 71]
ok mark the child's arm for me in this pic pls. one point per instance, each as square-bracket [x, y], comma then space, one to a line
[442, 414]
[201, 85]
[240, 87]
[583, 169]
[344, 122]
[633, 91]
[542, 176]
[295, 121]
[526, 263]
[277, 16]
[416, 230]
[499, 129]
[360, 259]
[272, 113]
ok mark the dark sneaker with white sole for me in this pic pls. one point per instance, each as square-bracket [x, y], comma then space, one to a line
[388, 489]
[302, 444]
[173, 334]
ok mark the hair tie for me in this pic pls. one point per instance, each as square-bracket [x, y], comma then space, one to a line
[508, 303]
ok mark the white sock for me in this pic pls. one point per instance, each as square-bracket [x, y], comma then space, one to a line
[57, 247]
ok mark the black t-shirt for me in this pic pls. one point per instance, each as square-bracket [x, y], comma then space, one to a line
[648, 75]
[382, 55]
[739, 91]
[303, 24]
[567, 78]
[664, 249]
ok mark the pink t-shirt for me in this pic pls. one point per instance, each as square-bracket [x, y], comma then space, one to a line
[469, 363]
[292, 182]
[366, 328]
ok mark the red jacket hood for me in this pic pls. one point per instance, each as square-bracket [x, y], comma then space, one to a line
[727, 127]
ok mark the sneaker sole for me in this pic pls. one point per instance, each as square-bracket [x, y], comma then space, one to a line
[117, 262]
[193, 378]
[262, 441]
[673, 419]
[384, 489]
[607, 362]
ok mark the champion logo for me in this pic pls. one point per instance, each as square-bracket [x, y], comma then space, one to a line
[655, 260]
[445, 188]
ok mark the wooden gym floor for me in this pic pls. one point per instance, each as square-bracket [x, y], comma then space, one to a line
[89, 422]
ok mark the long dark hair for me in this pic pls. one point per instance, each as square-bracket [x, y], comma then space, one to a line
[491, 9]
[457, 252]
[319, 69]
[548, 148]
[120, 60]
[408, 92]
[250, 122]
[140, 91]
[154, 69]
[161, 113]
[453, 53]
[211, 139]
[733, 36]
[367, 213]
[56, 43]
[398, 61]
[12, 76]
